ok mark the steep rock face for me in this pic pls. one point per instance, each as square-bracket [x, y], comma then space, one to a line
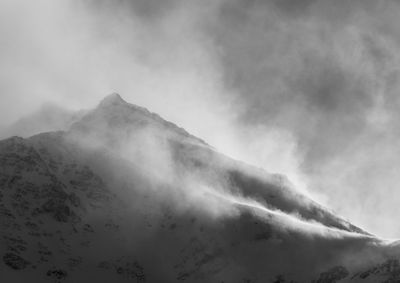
[125, 196]
[40, 210]
[30, 187]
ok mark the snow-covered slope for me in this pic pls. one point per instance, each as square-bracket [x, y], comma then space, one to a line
[125, 196]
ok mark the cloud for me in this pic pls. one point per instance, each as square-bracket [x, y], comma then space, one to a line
[307, 88]
[326, 73]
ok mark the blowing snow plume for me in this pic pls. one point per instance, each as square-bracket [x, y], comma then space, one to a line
[306, 89]
[125, 195]
[177, 159]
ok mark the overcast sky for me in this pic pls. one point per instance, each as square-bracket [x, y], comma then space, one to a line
[308, 88]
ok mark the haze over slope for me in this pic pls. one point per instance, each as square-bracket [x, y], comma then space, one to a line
[47, 118]
[124, 195]
[307, 88]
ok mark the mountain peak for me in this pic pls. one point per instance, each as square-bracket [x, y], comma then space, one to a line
[112, 99]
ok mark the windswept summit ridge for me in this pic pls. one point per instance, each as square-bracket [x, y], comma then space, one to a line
[113, 113]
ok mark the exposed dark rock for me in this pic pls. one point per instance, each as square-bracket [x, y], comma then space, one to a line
[333, 275]
[88, 228]
[74, 199]
[262, 236]
[279, 279]
[15, 244]
[57, 274]
[32, 226]
[15, 261]
[129, 269]
[389, 269]
[74, 262]
[59, 210]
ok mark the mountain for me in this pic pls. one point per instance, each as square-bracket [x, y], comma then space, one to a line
[122, 195]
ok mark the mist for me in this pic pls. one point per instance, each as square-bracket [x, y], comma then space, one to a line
[160, 165]
[303, 88]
